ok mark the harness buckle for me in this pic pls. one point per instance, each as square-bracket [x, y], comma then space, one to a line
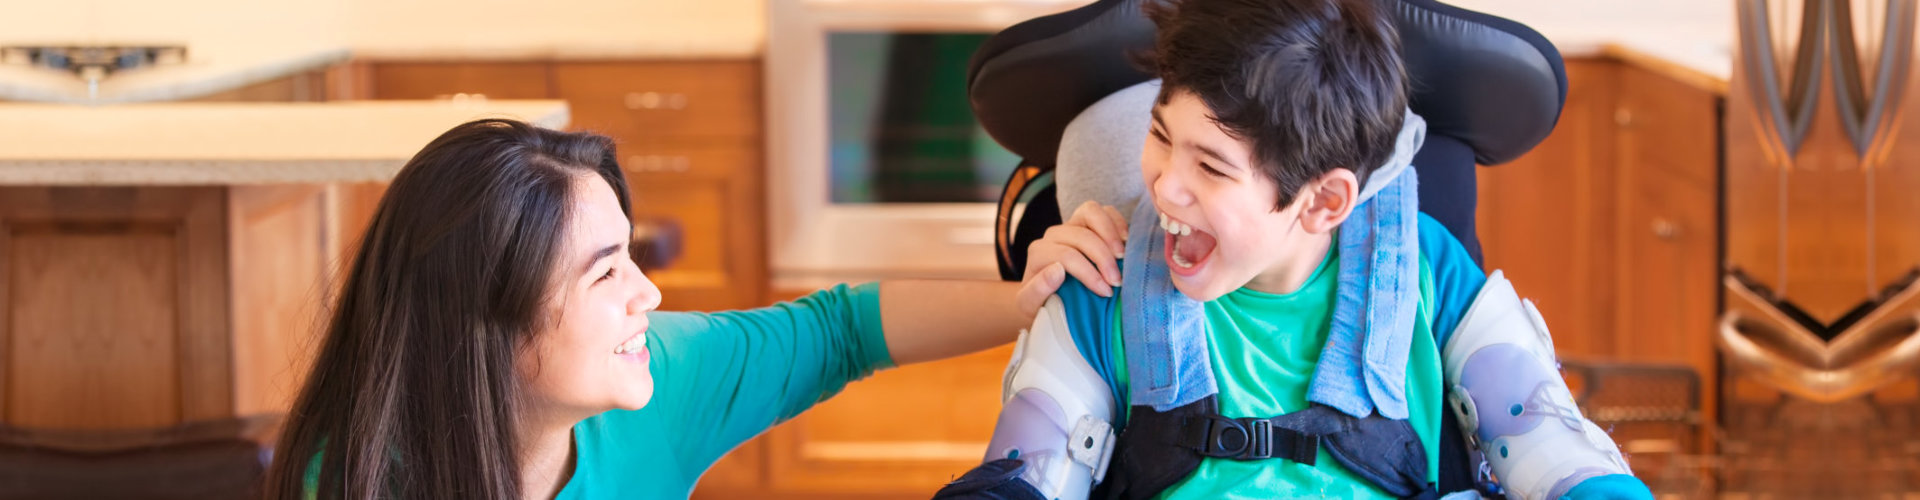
[1256, 439]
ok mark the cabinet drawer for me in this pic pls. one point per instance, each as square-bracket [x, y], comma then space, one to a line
[516, 80]
[637, 102]
[671, 162]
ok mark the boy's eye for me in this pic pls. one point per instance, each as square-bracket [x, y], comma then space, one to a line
[1212, 171]
[1159, 136]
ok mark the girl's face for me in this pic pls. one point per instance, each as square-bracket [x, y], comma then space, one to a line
[593, 355]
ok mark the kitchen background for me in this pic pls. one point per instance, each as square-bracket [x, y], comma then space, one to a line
[204, 202]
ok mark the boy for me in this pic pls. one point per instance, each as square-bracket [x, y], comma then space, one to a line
[1264, 345]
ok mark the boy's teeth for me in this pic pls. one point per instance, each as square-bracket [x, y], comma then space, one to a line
[1179, 260]
[1174, 227]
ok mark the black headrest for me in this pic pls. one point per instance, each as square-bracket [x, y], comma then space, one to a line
[1489, 82]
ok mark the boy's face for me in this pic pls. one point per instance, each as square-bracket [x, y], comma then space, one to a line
[1217, 209]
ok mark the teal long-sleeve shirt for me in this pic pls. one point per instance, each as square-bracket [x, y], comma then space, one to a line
[719, 380]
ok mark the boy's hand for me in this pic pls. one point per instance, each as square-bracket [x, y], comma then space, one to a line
[1087, 246]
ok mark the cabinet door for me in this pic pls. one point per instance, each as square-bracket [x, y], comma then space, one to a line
[114, 307]
[1544, 218]
[1666, 276]
[437, 80]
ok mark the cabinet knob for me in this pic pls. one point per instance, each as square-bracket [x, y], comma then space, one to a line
[660, 164]
[657, 242]
[656, 100]
[1665, 229]
[1623, 117]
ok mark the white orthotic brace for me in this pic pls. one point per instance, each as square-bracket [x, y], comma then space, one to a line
[1057, 411]
[1505, 387]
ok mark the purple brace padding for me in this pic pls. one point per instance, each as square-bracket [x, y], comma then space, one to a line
[1031, 424]
[1507, 384]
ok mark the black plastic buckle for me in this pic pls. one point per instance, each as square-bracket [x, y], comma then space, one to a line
[1256, 439]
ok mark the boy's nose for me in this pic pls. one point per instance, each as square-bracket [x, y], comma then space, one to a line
[1168, 188]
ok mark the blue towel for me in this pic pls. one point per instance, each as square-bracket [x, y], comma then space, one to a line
[1364, 364]
[1164, 331]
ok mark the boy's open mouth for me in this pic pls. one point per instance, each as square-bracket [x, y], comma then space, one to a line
[1187, 248]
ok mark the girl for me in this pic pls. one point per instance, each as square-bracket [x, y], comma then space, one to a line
[493, 340]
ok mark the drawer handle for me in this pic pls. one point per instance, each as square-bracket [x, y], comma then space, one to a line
[660, 164]
[672, 101]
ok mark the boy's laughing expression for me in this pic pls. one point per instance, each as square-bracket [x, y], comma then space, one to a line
[1223, 232]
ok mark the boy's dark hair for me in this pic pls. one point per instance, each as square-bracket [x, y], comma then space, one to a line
[1314, 85]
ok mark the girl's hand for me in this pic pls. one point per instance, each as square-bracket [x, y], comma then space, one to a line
[1088, 246]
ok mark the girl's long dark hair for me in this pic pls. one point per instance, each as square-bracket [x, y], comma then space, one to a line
[414, 391]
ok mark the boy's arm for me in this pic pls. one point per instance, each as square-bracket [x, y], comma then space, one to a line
[1458, 282]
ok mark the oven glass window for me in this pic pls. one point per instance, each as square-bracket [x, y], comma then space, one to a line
[902, 131]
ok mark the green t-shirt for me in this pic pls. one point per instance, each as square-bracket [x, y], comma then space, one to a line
[1264, 349]
[719, 380]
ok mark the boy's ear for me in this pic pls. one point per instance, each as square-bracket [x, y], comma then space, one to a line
[1329, 200]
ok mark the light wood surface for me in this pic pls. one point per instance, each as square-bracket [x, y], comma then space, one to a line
[232, 143]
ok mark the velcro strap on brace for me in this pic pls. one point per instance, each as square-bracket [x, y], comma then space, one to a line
[1091, 445]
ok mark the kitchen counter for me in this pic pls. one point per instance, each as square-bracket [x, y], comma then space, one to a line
[229, 144]
[1691, 40]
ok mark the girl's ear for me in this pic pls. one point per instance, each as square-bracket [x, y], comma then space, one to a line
[1329, 200]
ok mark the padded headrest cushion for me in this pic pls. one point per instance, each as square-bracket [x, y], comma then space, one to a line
[1488, 82]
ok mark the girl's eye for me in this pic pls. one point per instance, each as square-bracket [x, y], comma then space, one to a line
[1211, 171]
[607, 276]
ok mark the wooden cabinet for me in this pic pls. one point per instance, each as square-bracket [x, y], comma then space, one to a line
[1666, 234]
[146, 307]
[1612, 225]
[688, 136]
